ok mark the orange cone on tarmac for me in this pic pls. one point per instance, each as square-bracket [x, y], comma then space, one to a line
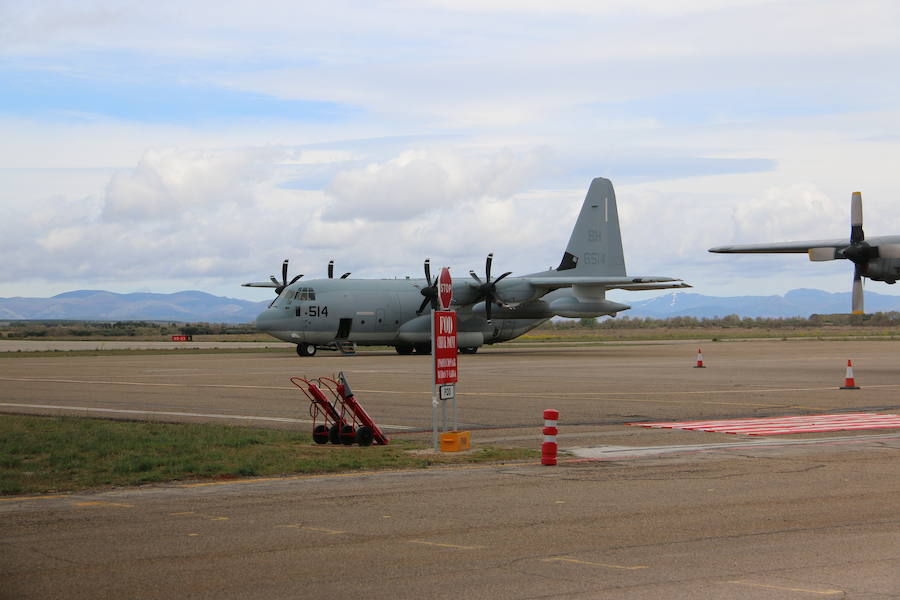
[849, 382]
[699, 364]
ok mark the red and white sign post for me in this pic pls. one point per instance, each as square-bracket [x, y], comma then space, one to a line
[444, 352]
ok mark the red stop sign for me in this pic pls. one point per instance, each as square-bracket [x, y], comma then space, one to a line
[445, 288]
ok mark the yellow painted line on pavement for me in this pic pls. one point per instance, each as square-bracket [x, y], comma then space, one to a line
[100, 503]
[323, 530]
[315, 529]
[594, 564]
[199, 515]
[439, 545]
[788, 589]
[24, 498]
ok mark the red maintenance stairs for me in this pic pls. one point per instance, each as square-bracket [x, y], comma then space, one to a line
[340, 419]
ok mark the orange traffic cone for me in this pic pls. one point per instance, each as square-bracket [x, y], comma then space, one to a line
[849, 382]
[699, 364]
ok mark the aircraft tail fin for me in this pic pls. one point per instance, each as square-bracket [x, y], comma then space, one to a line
[595, 247]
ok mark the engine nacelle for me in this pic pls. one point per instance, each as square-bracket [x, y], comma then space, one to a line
[575, 308]
[883, 269]
[514, 290]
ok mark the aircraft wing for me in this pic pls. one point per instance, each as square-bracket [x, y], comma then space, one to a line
[265, 284]
[801, 247]
[621, 283]
[781, 247]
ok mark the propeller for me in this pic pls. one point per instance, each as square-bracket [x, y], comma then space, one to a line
[859, 252]
[331, 271]
[487, 289]
[284, 282]
[864, 256]
[430, 291]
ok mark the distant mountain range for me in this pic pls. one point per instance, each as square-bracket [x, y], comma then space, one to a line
[202, 307]
[98, 305]
[796, 303]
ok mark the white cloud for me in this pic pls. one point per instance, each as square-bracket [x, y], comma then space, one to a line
[422, 181]
[796, 212]
[172, 184]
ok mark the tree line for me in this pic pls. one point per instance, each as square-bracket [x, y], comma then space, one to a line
[879, 319]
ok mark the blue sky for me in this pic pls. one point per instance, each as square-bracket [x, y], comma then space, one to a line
[172, 146]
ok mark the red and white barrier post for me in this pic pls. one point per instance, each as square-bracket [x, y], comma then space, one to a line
[699, 364]
[849, 382]
[549, 447]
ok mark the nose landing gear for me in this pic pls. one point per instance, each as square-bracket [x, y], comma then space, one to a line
[304, 349]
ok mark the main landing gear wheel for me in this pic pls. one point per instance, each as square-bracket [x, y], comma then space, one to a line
[423, 348]
[306, 349]
[404, 348]
[469, 349]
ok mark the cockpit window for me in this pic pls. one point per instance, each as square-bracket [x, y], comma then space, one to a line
[305, 294]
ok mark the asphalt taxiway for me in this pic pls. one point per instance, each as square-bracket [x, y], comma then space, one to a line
[628, 513]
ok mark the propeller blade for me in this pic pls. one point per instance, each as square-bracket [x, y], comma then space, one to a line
[284, 268]
[294, 280]
[475, 277]
[889, 251]
[856, 219]
[820, 254]
[487, 266]
[502, 276]
[487, 309]
[275, 281]
[428, 270]
[857, 306]
[330, 269]
[345, 275]
[423, 305]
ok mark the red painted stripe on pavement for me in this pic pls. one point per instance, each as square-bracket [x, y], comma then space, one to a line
[782, 425]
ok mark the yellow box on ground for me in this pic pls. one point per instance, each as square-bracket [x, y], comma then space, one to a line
[454, 441]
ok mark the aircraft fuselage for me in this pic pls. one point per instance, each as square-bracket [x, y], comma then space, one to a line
[383, 312]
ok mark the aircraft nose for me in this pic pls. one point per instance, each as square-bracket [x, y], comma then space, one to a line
[265, 320]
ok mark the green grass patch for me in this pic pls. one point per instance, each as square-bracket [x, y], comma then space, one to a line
[55, 454]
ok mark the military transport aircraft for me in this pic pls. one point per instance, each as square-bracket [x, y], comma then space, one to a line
[877, 258]
[338, 313]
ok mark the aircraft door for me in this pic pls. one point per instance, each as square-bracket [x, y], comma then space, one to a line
[343, 331]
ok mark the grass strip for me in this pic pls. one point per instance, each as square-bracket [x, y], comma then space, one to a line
[58, 454]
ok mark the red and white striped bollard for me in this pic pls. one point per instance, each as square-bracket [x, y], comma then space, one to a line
[549, 447]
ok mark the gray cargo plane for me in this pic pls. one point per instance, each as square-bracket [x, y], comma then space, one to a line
[340, 313]
[877, 258]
